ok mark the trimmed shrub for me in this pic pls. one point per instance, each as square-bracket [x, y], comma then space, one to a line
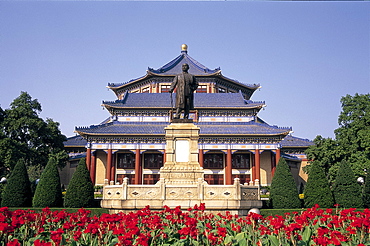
[346, 190]
[80, 191]
[48, 190]
[17, 192]
[283, 192]
[317, 190]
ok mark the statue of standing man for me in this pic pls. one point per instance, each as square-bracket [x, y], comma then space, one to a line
[185, 85]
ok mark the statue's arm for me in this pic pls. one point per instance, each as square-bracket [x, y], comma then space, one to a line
[173, 85]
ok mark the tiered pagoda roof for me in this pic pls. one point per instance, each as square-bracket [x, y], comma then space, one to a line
[175, 67]
[206, 128]
[201, 101]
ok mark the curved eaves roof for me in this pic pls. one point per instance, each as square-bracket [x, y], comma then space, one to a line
[206, 128]
[175, 67]
[295, 142]
[201, 100]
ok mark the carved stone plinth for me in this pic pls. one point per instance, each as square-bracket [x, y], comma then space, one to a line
[181, 166]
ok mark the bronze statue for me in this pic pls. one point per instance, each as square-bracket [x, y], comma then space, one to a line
[185, 85]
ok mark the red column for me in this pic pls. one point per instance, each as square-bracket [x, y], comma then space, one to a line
[137, 167]
[201, 158]
[277, 158]
[93, 168]
[109, 165]
[258, 165]
[88, 161]
[253, 168]
[113, 169]
[228, 168]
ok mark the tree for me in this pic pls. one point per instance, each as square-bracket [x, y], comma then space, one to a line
[48, 190]
[283, 191]
[80, 191]
[17, 192]
[317, 190]
[352, 139]
[366, 191]
[25, 135]
[346, 190]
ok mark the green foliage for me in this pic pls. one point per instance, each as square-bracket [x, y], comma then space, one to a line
[317, 190]
[23, 134]
[352, 139]
[17, 192]
[283, 191]
[80, 191]
[366, 192]
[346, 190]
[48, 191]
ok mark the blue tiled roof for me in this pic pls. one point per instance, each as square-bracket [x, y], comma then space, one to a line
[291, 141]
[201, 100]
[75, 141]
[175, 66]
[206, 128]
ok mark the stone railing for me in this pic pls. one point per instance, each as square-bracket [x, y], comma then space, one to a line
[126, 196]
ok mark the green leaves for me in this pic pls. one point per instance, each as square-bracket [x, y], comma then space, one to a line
[23, 134]
[352, 139]
[48, 191]
[283, 192]
[317, 190]
[80, 192]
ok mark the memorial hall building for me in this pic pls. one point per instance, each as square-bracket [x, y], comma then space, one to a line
[234, 142]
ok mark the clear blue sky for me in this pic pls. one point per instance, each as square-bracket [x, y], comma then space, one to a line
[306, 55]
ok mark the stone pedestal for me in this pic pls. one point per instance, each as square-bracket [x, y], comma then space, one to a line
[181, 166]
[181, 182]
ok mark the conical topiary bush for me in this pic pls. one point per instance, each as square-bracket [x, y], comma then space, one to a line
[283, 191]
[48, 190]
[317, 190]
[17, 192]
[80, 191]
[346, 190]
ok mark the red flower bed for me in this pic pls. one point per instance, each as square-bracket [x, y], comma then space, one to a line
[313, 226]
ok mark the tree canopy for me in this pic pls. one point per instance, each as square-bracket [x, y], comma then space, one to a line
[352, 139]
[23, 134]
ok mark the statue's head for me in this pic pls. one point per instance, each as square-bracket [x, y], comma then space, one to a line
[185, 67]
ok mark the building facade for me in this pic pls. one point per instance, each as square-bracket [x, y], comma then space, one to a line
[233, 140]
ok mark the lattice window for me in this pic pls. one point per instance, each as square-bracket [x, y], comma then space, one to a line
[202, 89]
[125, 161]
[151, 178]
[165, 88]
[213, 161]
[153, 160]
[214, 179]
[131, 178]
[241, 161]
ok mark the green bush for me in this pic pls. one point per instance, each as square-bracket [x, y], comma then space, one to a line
[346, 190]
[17, 192]
[366, 195]
[48, 190]
[80, 191]
[317, 190]
[283, 191]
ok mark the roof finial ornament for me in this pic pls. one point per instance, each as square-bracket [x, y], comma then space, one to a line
[184, 48]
